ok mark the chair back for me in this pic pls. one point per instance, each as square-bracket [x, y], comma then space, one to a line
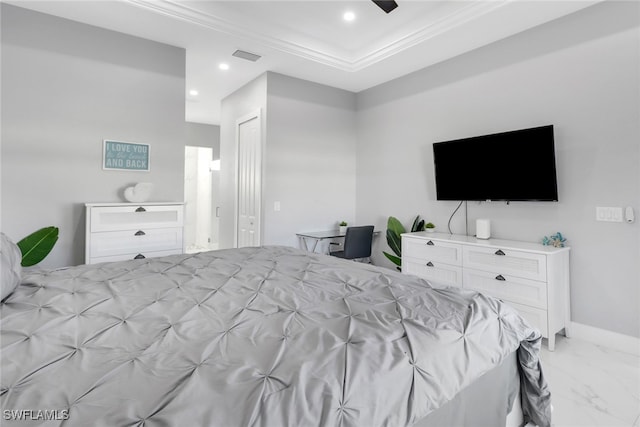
[357, 242]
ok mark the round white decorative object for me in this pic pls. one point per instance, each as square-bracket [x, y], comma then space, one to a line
[138, 193]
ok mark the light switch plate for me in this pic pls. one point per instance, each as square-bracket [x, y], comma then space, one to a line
[609, 214]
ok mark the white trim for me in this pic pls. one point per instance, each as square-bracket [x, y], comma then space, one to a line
[613, 340]
[343, 60]
[482, 13]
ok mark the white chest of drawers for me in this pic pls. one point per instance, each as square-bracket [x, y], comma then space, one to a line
[532, 278]
[122, 231]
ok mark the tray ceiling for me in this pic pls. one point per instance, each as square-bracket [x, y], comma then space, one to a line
[308, 39]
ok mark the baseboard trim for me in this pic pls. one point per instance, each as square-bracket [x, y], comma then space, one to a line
[614, 340]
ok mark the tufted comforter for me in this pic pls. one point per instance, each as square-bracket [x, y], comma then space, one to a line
[268, 336]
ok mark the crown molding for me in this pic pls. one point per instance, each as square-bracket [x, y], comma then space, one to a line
[341, 61]
[178, 11]
[448, 23]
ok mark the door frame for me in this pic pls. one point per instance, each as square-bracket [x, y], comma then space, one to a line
[256, 114]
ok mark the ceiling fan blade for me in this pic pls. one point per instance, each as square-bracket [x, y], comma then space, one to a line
[387, 6]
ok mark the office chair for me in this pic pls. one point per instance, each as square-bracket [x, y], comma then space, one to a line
[357, 243]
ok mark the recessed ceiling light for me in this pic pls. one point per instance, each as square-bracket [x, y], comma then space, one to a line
[193, 92]
[349, 16]
[223, 66]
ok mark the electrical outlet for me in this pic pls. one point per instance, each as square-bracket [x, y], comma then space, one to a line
[276, 206]
[608, 214]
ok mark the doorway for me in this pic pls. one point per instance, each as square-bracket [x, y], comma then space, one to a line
[201, 174]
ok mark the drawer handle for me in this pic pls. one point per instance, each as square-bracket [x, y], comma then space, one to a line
[429, 264]
[430, 243]
[140, 233]
[499, 252]
[141, 209]
[139, 256]
[500, 277]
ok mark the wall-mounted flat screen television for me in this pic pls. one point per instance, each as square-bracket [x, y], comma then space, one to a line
[517, 165]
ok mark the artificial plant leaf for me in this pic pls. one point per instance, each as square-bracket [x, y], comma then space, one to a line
[393, 259]
[414, 226]
[395, 225]
[37, 245]
[395, 242]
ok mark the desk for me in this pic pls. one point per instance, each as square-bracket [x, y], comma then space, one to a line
[309, 240]
[314, 237]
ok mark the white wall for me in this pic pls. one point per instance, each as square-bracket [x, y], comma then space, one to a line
[309, 135]
[580, 73]
[203, 135]
[309, 159]
[65, 87]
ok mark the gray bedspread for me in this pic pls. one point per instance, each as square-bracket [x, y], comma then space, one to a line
[268, 336]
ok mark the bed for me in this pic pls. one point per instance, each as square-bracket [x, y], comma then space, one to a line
[265, 336]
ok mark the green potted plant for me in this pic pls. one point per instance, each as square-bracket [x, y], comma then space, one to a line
[429, 227]
[343, 227]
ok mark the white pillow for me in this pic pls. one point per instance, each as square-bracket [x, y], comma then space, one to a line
[10, 267]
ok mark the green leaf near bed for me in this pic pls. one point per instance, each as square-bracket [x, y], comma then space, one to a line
[36, 246]
[394, 230]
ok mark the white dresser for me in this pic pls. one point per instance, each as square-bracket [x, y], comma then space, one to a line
[122, 231]
[532, 278]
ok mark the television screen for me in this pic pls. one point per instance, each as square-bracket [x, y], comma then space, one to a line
[513, 166]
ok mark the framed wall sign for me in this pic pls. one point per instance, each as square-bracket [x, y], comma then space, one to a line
[128, 156]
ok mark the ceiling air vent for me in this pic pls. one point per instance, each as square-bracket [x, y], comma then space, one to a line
[246, 55]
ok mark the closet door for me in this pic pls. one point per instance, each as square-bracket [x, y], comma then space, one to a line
[249, 180]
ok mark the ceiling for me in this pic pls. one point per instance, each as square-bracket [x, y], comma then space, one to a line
[308, 39]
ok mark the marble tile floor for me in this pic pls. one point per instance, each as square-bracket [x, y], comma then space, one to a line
[192, 249]
[591, 385]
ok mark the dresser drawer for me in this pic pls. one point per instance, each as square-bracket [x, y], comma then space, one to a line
[111, 243]
[140, 255]
[534, 316]
[506, 261]
[507, 288]
[439, 273]
[113, 218]
[433, 250]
